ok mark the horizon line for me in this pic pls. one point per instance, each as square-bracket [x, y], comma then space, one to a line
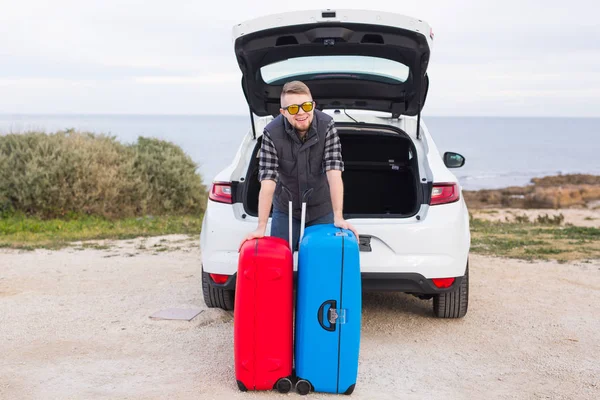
[246, 115]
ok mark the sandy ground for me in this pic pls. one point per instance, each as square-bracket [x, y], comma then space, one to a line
[74, 324]
[576, 216]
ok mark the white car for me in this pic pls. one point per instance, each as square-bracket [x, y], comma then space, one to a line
[368, 71]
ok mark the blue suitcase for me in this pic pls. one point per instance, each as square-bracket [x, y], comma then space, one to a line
[328, 310]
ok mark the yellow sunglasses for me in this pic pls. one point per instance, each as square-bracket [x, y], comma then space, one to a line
[293, 109]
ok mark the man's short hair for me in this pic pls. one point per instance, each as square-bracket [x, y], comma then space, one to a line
[295, 87]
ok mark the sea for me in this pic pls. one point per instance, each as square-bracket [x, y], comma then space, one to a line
[499, 151]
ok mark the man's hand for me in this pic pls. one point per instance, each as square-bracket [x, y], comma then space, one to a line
[342, 223]
[258, 233]
[336, 187]
[265, 201]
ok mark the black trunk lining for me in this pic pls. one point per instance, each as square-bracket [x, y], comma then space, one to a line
[380, 175]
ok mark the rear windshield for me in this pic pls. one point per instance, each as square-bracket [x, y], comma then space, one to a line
[360, 67]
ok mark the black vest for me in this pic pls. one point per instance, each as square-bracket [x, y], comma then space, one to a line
[301, 166]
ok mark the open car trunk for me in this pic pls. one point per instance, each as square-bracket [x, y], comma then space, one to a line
[381, 174]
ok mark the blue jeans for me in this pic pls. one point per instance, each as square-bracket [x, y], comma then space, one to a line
[280, 223]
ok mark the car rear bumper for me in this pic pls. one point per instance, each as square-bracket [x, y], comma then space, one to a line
[436, 247]
[378, 282]
[403, 282]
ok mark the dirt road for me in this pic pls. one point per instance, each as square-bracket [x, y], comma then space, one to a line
[74, 324]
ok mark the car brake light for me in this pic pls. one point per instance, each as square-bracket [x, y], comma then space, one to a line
[443, 283]
[221, 192]
[444, 193]
[218, 278]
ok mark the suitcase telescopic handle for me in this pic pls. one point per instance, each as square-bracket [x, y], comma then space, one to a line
[305, 196]
[287, 192]
[289, 196]
[320, 313]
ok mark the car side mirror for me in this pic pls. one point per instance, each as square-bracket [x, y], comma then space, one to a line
[453, 160]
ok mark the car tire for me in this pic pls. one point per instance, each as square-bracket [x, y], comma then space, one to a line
[215, 297]
[453, 304]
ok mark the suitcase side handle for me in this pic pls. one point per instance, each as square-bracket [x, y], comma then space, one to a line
[320, 313]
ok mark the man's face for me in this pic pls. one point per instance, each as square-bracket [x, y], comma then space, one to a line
[303, 119]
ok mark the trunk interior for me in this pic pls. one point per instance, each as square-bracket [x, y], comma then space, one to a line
[380, 175]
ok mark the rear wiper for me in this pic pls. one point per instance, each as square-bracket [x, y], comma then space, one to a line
[328, 76]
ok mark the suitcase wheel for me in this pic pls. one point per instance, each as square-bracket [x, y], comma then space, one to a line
[283, 385]
[303, 387]
[241, 386]
[350, 389]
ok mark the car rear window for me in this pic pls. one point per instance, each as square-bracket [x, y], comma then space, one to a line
[314, 67]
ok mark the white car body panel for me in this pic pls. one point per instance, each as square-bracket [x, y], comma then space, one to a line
[436, 245]
[435, 242]
[347, 16]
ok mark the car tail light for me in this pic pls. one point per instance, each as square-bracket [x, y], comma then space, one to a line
[218, 278]
[443, 283]
[444, 193]
[221, 192]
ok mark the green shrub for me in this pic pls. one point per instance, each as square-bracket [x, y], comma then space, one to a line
[169, 182]
[72, 173]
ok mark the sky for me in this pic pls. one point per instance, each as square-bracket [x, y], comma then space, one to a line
[489, 58]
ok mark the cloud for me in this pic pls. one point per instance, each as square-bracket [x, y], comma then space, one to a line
[212, 79]
[43, 83]
[148, 56]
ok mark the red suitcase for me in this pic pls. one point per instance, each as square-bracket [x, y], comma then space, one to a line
[263, 315]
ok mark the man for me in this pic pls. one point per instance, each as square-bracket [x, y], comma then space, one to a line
[300, 150]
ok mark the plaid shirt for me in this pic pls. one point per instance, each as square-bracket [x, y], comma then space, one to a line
[268, 161]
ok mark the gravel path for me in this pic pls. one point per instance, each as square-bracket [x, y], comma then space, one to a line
[74, 324]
